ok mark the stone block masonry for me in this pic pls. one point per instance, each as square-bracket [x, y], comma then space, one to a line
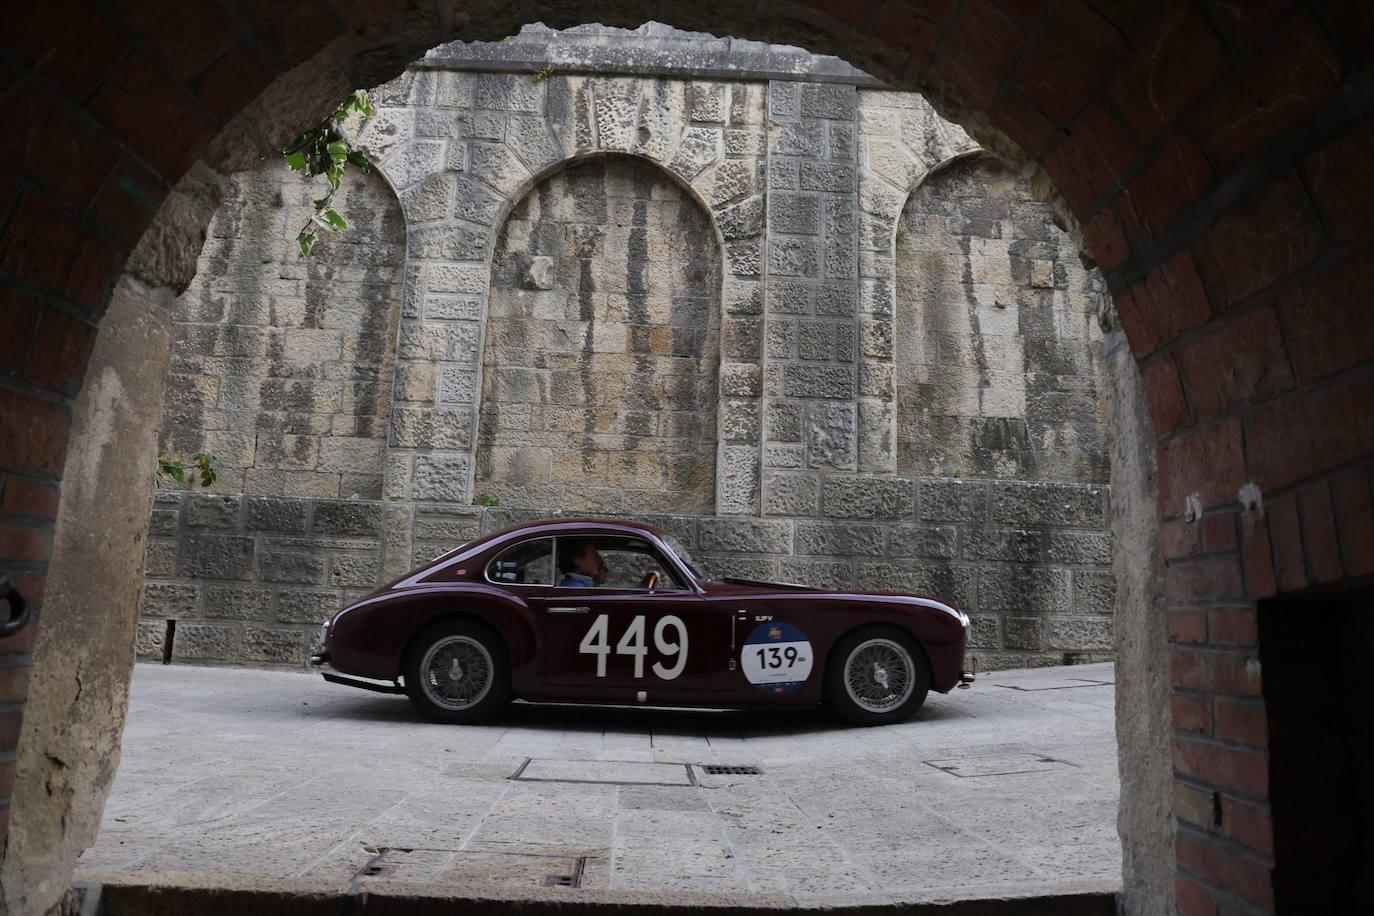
[746, 291]
[1029, 563]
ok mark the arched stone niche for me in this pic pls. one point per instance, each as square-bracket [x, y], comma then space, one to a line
[997, 351]
[602, 346]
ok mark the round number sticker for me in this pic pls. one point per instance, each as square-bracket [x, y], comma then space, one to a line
[776, 657]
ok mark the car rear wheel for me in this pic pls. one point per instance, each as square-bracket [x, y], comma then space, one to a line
[457, 671]
[877, 676]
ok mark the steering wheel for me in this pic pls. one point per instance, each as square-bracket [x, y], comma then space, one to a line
[650, 580]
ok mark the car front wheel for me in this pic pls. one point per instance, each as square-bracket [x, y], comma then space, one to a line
[877, 676]
[457, 671]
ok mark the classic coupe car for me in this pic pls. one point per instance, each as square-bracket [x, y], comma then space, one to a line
[616, 612]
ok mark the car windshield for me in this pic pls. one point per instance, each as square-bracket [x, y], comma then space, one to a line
[694, 565]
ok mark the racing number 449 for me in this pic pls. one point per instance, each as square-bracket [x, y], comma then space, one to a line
[597, 642]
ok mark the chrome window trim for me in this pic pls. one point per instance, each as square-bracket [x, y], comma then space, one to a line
[553, 557]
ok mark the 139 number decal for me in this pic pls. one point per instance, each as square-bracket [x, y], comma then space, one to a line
[597, 642]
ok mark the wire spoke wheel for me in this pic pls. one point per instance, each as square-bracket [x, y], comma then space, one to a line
[879, 675]
[456, 672]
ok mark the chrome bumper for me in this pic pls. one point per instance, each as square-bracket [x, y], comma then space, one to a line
[966, 680]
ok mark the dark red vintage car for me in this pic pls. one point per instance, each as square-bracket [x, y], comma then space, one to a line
[615, 612]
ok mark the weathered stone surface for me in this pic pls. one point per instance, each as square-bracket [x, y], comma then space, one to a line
[837, 575]
[1093, 592]
[790, 494]
[289, 566]
[298, 606]
[874, 498]
[234, 603]
[1086, 548]
[266, 513]
[216, 556]
[164, 599]
[355, 570]
[161, 559]
[923, 541]
[945, 583]
[745, 536]
[1079, 633]
[275, 646]
[1018, 546]
[1026, 590]
[441, 478]
[351, 518]
[953, 500]
[1023, 633]
[196, 641]
[213, 511]
[1048, 504]
[838, 539]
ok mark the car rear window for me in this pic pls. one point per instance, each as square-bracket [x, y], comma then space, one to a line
[527, 563]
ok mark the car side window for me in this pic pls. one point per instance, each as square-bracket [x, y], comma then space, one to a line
[623, 563]
[527, 563]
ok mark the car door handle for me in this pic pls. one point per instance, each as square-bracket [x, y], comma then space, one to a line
[569, 610]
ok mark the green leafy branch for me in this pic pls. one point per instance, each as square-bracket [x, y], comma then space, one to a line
[201, 465]
[326, 150]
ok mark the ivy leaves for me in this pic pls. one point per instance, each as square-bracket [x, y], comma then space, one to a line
[326, 150]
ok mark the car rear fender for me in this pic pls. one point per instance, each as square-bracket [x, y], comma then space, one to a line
[386, 627]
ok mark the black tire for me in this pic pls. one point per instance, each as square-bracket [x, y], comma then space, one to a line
[473, 652]
[876, 697]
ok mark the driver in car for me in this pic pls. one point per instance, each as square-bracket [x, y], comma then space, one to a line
[582, 566]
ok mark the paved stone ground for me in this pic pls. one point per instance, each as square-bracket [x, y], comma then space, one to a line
[1007, 786]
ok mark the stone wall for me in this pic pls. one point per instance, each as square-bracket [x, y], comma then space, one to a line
[602, 346]
[282, 365]
[782, 303]
[999, 359]
[1030, 562]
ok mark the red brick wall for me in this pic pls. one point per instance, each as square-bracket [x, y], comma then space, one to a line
[1212, 151]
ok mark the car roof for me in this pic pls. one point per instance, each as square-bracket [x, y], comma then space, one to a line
[561, 526]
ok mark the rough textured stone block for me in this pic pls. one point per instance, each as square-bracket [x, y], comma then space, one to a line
[762, 569]
[868, 497]
[923, 541]
[818, 381]
[268, 513]
[308, 606]
[234, 603]
[1079, 633]
[217, 556]
[212, 511]
[1013, 545]
[349, 518]
[164, 521]
[276, 646]
[789, 494]
[290, 566]
[206, 641]
[745, 536]
[1049, 504]
[834, 575]
[832, 436]
[356, 570]
[829, 101]
[1094, 592]
[164, 599]
[1023, 633]
[838, 539]
[985, 632]
[441, 478]
[1080, 548]
[952, 584]
[1022, 589]
[953, 500]
[149, 639]
[160, 561]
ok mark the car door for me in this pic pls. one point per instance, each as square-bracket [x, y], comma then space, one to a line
[620, 636]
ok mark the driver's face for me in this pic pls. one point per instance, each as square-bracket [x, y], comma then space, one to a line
[591, 564]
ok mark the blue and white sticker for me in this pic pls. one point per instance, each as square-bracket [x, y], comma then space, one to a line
[776, 657]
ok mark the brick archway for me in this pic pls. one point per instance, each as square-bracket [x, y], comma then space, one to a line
[1215, 157]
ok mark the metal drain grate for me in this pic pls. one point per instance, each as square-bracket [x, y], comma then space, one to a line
[719, 769]
[560, 881]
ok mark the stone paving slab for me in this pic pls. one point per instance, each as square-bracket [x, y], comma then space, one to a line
[235, 772]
